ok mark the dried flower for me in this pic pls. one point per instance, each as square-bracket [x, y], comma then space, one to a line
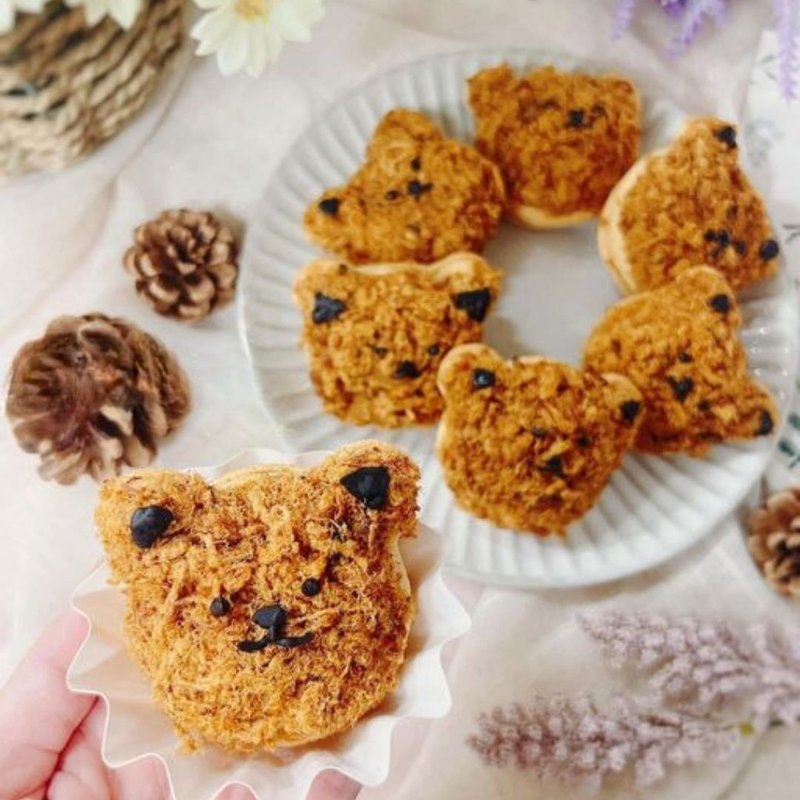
[574, 741]
[692, 14]
[701, 666]
[704, 688]
[623, 16]
[787, 21]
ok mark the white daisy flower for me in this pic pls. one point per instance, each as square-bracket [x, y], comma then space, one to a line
[9, 9]
[246, 34]
[124, 12]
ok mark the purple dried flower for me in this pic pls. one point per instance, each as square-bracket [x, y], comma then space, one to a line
[623, 15]
[692, 20]
[573, 740]
[701, 667]
[787, 22]
[673, 7]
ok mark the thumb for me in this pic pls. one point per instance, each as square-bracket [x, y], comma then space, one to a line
[38, 713]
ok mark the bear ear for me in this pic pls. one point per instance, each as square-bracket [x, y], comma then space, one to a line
[319, 291]
[620, 86]
[402, 126]
[758, 415]
[624, 399]
[381, 479]
[485, 85]
[473, 285]
[469, 368]
[707, 291]
[142, 512]
[718, 136]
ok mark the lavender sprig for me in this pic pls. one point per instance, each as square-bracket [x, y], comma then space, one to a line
[692, 20]
[702, 667]
[704, 688]
[574, 741]
[623, 16]
[787, 22]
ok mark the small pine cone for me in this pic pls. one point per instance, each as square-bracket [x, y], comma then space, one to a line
[185, 264]
[92, 394]
[774, 541]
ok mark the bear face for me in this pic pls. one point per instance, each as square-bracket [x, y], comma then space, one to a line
[270, 608]
[375, 335]
[562, 140]
[679, 345]
[419, 197]
[686, 205]
[530, 443]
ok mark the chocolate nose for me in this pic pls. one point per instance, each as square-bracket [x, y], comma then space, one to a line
[576, 118]
[271, 618]
[406, 369]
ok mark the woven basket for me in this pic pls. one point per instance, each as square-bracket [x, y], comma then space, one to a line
[66, 87]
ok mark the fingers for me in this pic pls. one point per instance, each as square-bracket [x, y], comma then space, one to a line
[237, 792]
[38, 713]
[332, 785]
[81, 772]
[127, 782]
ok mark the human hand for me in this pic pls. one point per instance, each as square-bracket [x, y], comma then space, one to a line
[50, 737]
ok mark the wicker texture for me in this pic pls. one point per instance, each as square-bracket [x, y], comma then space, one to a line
[66, 87]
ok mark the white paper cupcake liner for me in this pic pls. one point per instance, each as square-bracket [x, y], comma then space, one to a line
[137, 728]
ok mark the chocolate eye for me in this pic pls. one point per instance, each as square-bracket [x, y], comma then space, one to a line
[482, 378]
[434, 350]
[311, 587]
[220, 606]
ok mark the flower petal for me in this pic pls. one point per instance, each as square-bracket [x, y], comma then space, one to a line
[257, 60]
[288, 23]
[212, 30]
[233, 53]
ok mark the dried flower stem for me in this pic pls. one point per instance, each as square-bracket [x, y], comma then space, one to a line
[700, 679]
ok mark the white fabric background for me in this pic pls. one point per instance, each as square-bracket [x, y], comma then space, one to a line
[209, 142]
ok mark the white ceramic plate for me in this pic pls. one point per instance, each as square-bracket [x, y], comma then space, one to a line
[555, 289]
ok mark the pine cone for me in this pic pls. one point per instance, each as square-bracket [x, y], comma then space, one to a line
[92, 394]
[185, 264]
[774, 541]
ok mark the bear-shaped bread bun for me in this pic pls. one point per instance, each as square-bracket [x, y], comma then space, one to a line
[679, 345]
[686, 205]
[419, 197]
[530, 443]
[272, 607]
[375, 335]
[562, 140]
